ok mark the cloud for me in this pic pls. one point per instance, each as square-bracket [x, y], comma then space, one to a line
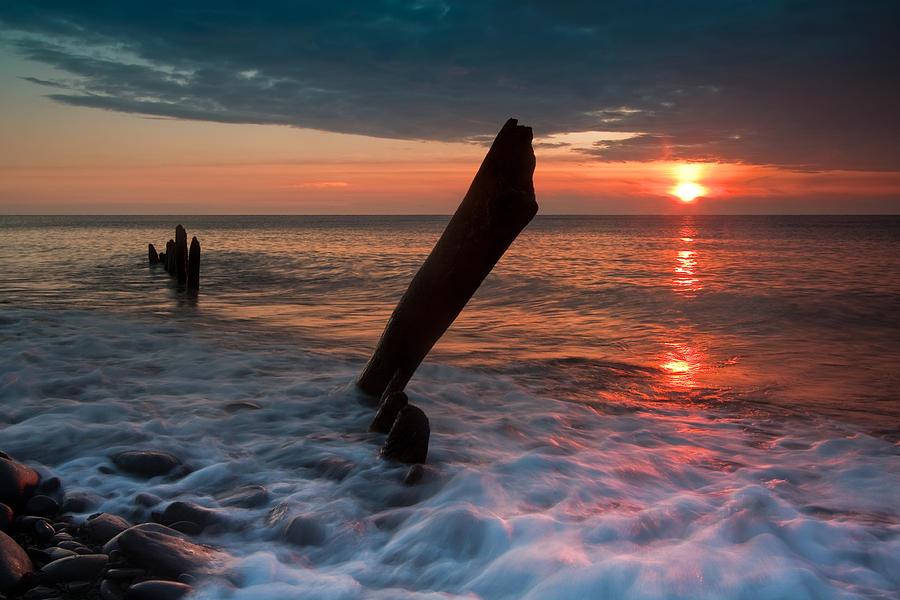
[804, 85]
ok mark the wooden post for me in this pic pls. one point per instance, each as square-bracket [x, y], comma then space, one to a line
[499, 204]
[193, 275]
[180, 255]
[152, 256]
[170, 257]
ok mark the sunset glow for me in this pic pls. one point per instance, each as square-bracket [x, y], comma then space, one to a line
[688, 191]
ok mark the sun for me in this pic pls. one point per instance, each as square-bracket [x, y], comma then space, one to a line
[688, 191]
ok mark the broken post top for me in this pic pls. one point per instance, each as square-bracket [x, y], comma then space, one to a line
[510, 165]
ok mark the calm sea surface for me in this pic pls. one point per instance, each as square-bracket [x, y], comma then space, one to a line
[629, 407]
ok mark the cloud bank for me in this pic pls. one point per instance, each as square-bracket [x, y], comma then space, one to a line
[801, 85]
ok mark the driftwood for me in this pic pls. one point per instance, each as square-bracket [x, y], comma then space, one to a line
[499, 204]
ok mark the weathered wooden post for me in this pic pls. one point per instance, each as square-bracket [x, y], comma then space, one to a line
[181, 256]
[499, 204]
[170, 257]
[193, 275]
[152, 256]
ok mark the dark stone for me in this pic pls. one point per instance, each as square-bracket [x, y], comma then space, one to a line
[6, 517]
[407, 441]
[85, 567]
[41, 592]
[112, 546]
[387, 412]
[499, 204]
[242, 405]
[49, 485]
[111, 591]
[246, 496]
[163, 552]
[55, 553]
[124, 574]
[414, 475]
[73, 545]
[14, 564]
[181, 254]
[79, 502]
[333, 467]
[147, 500]
[187, 527]
[17, 483]
[152, 256]
[43, 530]
[190, 512]
[158, 590]
[145, 463]
[304, 531]
[102, 527]
[41, 506]
[193, 272]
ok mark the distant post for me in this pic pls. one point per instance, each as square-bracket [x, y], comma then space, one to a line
[152, 256]
[499, 204]
[193, 275]
[180, 255]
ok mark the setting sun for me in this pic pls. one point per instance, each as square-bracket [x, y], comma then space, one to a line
[688, 191]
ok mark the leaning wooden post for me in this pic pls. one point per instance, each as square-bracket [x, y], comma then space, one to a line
[499, 204]
[181, 255]
[170, 257]
[193, 274]
[152, 256]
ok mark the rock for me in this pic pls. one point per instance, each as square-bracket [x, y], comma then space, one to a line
[41, 592]
[112, 546]
[498, 205]
[152, 256]
[246, 496]
[407, 441]
[187, 527]
[123, 574]
[6, 517]
[163, 551]
[43, 530]
[190, 512]
[193, 272]
[79, 502]
[232, 407]
[333, 467]
[83, 567]
[55, 553]
[158, 590]
[102, 527]
[414, 475]
[17, 483]
[304, 531]
[387, 412]
[145, 463]
[41, 506]
[49, 485]
[147, 500]
[111, 591]
[14, 564]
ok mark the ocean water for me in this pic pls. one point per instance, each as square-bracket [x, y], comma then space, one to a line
[629, 407]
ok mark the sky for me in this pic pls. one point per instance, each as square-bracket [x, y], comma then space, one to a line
[387, 106]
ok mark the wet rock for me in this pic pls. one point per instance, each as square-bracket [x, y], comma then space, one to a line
[79, 502]
[414, 475]
[304, 531]
[56, 553]
[43, 530]
[147, 500]
[408, 439]
[165, 553]
[233, 407]
[246, 496]
[102, 527]
[124, 574]
[333, 468]
[388, 411]
[41, 506]
[84, 567]
[17, 482]
[145, 463]
[6, 517]
[192, 513]
[112, 546]
[158, 590]
[41, 592]
[49, 485]
[14, 564]
[186, 527]
[111, 591]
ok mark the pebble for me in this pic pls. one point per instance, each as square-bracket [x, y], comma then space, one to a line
[125, 573]
[14, 564]
[41, 592]
[43, 530]
[6, 517]
[158, 590]
[179, 512]
[145, 463]
[304, 531]
[74, 568]
[17, 482]
[49, 485]
[102, 527]
[147, 500]
[246, 496]
[166, 553]
[41, 506]
[110, 591]
[79, 502]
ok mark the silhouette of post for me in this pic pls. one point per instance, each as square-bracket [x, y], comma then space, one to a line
[152, 256]
[193, 275]
[180, 255]
[170, 257]
[499, 204]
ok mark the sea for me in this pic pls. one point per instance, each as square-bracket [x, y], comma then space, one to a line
[630, 407]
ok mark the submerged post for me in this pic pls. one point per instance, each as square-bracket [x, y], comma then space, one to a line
[499, 204]
[180, 255]
[152, 256]
[193, 275]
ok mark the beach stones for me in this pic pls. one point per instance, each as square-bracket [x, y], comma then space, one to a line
[17, 482]
[407, 441]
[189, 512]
[246, 496]
[145, 463]
[388, 411]
[304, 531]
[41, 506]
[162, 550]
[158, 590]
[14, 564]
[81, 567]
[102, 527]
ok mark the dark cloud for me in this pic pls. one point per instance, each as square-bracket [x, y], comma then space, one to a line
[807, 85]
